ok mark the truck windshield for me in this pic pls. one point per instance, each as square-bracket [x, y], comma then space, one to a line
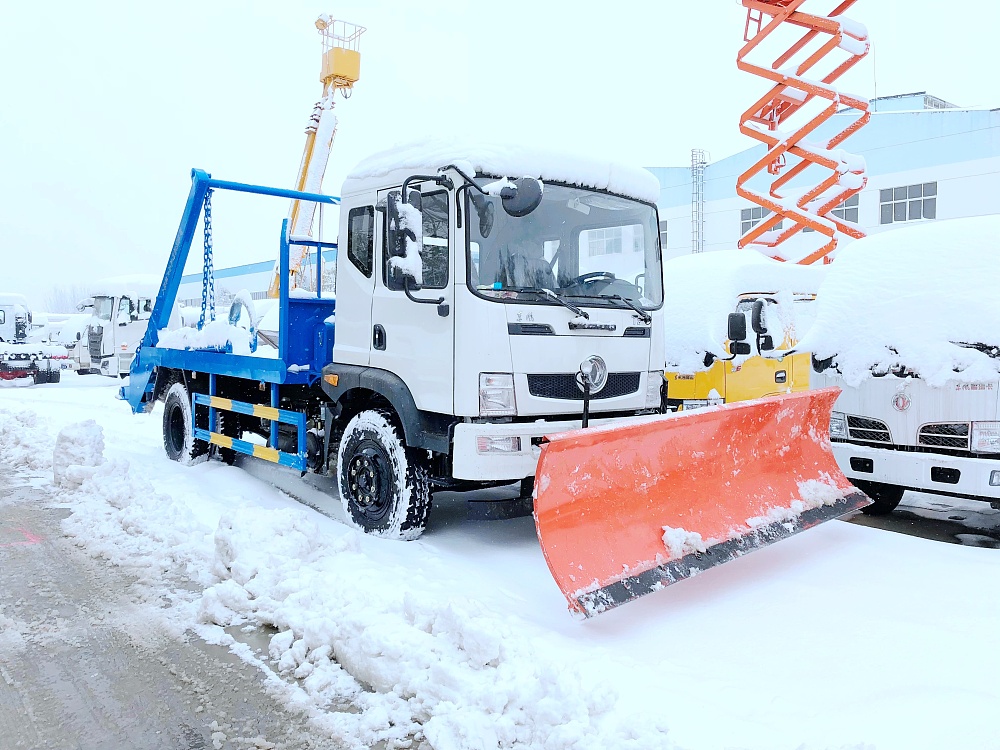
[103, 307]
[590, 248]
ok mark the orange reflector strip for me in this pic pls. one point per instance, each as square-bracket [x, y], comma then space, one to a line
[332, 379]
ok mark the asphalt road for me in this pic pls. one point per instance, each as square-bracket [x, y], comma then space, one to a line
[945, 519]
[86, 664]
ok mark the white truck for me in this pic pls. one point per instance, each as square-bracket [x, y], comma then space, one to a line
[908, 326]
[21, 357]
[121, 310]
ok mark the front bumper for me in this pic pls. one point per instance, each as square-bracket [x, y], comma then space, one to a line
[469, 463]
[930, 472]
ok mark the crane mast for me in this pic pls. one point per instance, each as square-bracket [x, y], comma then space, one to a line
[340, 70]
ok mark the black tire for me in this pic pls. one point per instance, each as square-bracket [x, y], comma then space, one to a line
[40, 377]
[384, 485]
[885, 497]
[55, 376]
[178, 437]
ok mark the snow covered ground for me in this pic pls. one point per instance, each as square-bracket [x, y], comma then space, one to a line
[841, 637]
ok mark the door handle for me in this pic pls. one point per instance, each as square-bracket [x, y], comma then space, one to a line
[378, 337]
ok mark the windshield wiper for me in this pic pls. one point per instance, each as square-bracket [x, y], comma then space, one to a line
[644, 316]
[568, 305]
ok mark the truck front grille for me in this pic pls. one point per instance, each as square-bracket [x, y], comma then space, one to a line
[867, 430]
[94, 343]
[953, 435]
[565, 387]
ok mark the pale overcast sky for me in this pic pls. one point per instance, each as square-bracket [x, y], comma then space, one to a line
[107, 105]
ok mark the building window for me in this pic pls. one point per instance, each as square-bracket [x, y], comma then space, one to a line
[604, 241]
[848, 210]
[663, 235]
[909, 203]
[751, 217]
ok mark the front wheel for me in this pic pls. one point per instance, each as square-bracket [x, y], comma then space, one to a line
[383, 485]
[885, 497]
[179, 441]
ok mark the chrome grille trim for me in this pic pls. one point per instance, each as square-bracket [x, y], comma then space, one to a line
[951, 435]
[867, 430]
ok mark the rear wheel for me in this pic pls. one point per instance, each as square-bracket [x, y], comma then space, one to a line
[54, 376]
[383, 484]
[178, 436]
[41, 376]
[885, 497]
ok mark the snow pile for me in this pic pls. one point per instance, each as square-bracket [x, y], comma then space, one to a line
[908, 297]
[31, 350]
[416, 659]
[701, 290]
[680, 542]
[24, 444]
[79, 450]
[506, 160]
[217, 335]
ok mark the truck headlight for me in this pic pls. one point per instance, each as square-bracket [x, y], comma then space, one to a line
[838, 425]
[654, 381]
[496, 394]
[985, 437]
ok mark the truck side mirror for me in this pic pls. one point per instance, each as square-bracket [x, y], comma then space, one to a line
[404, 238]
[765, 343]
[737, 327]
[521, 198]
[757, 318]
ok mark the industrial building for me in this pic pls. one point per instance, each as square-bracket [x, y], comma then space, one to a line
[926, 159]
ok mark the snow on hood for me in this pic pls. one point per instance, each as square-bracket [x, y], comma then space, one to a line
[427, 156]
[701, 290]
[907, 296]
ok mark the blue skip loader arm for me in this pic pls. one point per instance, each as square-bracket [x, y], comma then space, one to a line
[143, 364]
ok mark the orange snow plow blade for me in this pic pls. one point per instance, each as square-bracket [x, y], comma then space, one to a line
[623, 511]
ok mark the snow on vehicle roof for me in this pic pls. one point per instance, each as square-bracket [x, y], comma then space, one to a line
[140, 284]
[428, 156]
[10, 298]
[701, 289]
[908, 297]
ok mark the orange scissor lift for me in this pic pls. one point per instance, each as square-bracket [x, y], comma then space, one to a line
[801, 91]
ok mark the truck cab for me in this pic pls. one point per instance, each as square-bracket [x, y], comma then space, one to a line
[478, 316]
[759, 374]
[894, 432]
[15, 319]
[118, 323]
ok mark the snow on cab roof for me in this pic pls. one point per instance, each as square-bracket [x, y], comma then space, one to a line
[140, 284]
[701, 289]
[908, 297]
[428, 156]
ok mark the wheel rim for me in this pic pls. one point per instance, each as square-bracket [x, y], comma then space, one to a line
[369, 482]
[176, 432]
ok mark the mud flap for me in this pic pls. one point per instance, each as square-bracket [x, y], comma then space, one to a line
[622, 511]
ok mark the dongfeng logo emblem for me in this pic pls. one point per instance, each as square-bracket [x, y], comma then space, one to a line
[901, 402]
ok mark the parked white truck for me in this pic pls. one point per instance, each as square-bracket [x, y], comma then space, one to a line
[909, 327]
[21, 357]
[121, 310]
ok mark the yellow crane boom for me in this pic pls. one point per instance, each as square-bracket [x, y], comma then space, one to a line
[340, 70]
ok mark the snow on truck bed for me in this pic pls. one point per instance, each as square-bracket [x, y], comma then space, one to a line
[910, 297]
[427, 156]
[843, 637]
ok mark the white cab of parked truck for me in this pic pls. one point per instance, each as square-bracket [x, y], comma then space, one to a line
[122, 306]
[909, 327]
[501, 303]
[894, 433]
[15, 318]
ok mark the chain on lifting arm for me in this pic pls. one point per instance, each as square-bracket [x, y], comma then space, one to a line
[207, 273]
[790, 92]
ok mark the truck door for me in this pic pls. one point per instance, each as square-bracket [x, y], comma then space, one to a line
[416, 340]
